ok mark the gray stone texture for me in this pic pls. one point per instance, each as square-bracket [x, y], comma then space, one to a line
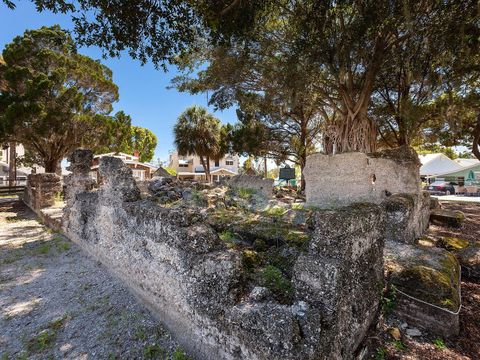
[176, 263]
[407, 216]
[343, 179]
[41, 190]
[431, 276]
[257, 183]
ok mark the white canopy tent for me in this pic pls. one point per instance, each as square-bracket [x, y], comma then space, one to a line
[434, 164]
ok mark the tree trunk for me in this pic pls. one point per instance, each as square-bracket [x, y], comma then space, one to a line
[207, 171]
[52, 166]
[265, 170]
[352, 133]
[476, 139]
[205, 168]
[12, 164]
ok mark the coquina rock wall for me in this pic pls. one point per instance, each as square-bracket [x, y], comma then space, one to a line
[343, 179]
[179, 266]
[41, 190]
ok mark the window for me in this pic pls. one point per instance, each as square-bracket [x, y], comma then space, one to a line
[229, 162]
[139, 174]
[217, 162]
[182, 165]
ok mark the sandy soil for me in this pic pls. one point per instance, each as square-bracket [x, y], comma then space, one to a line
[57, 303]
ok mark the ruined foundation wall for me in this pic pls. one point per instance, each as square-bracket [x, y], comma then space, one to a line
[178, 265]
[344, 179]
[41, 190]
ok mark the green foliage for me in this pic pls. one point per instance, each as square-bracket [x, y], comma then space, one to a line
[275, 211]
[380, 353]
[43, 340]
[245, 193]
[153, 352]
[199, 133]
[435, 148]
[399, 345]
[388, 300]
[274, 280]
[171, 171]
[439, 343]
[179, 354]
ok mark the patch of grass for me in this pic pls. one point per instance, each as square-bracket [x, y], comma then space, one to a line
[43, 340]
[5, 356]
[42, 249]
[61, 243]
[199, 198]
[153, 352]
[13, 219]
[399, 345]
[228, 237]
[23, 356]
[380, 353]
[274, 280]
[439, 344]
[275, 211]
[245, 193]
[179, 354]
[140, 334]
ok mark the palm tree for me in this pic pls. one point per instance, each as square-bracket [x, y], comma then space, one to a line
[199, 133]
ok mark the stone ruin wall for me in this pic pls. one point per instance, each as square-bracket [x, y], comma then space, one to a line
[182, 270]
[343, 179]
[390, 178]
[41, 190]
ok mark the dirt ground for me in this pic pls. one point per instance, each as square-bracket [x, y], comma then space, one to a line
[467, 344]
[55, 302]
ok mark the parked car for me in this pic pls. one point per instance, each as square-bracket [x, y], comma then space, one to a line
[440, 188]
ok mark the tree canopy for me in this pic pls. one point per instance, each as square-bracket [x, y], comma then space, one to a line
[375, 68]
[54, 100]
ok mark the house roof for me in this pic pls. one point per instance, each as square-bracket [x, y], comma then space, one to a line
[124, 156]
[463, 169]
[467, 162]
[116, 154]
[434, 164]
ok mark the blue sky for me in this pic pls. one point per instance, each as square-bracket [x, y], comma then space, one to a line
[143, 92]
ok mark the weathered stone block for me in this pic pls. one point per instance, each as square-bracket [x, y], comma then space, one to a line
[257, 183]
[338, 180]
[41, 190]
[427, 280]
[453, 218]
[407, 216]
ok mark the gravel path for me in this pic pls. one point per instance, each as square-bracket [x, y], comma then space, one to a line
[55, 302]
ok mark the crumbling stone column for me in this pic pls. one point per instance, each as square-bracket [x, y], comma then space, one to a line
[79, 180]
[342, 274]
[41, 190]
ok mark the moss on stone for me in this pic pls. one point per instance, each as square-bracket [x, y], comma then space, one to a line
[453, 243]
[429, 285]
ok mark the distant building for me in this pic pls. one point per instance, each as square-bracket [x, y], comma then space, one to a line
[434, 164]
[22, 171]
[141, 171]
[190, 168]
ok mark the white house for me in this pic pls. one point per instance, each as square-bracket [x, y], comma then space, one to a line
[190, 168]
[141, 171]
